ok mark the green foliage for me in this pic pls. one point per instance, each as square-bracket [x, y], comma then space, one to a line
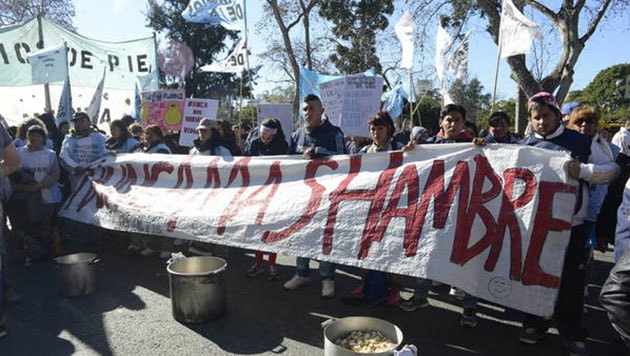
[604, 94]
[279, 95]
[507, 106]
[206, 41]
[356, 22]
[472, 97]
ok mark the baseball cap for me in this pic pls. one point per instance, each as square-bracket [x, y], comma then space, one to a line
[206, 124]
[567, 108]
[80, 115]
[548, 98]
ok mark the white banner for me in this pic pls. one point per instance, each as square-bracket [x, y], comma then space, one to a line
[194, 111]
[516, 32]
[494, 220]
[227, 13]
[234, 63]
[282, 112]
[349, 101]
[49, 65]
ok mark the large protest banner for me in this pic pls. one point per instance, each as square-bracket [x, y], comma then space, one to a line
[126, 63]
[494, 220]
[349, 101]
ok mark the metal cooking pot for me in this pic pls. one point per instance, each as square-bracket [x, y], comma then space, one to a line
[340, 328]
[76, 274]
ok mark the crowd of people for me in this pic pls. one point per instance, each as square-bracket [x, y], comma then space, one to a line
[43, 162]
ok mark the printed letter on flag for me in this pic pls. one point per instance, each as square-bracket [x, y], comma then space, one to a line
[404, 31]
[516, 32]
[229, 14]
[49, 64]
[458, 61]
[234, 63]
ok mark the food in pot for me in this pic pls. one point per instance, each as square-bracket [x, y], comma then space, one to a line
[366, 341]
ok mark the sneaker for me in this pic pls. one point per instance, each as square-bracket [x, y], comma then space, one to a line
[532, 335]
[456, 292]
[414, 304]
[469, 318]
[577, 348]
[255, 270]
[273, 273]
[328, 288]
[147, 252]
[297, 282]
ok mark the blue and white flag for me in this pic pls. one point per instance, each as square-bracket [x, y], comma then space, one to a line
[65, 111]
[49, 64]
[395, 101]
[229, 14]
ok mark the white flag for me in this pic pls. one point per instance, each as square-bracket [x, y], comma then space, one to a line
[441, 47]
[516, 32]
[404, 31]
[64, 110]
[234, 63]
[458, 61]
[227, 13]
[49, 64]
[95, 104]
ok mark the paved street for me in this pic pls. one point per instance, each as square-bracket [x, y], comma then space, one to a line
[130, 314]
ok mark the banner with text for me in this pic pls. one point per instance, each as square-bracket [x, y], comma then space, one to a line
[164, 108]
[194, 111]
[494, 221]
[350, 101]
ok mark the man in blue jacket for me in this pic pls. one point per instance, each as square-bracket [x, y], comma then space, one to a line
[317, 139]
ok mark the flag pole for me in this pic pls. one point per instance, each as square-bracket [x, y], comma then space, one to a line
[40, 34]
[496, 79]
[411, 92]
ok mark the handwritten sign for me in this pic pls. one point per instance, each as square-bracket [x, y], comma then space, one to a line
[194, 111]
[350, 101]
[162, 107]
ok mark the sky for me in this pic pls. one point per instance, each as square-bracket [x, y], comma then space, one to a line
[120, 20]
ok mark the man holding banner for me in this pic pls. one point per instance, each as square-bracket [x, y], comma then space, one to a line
[317, 139]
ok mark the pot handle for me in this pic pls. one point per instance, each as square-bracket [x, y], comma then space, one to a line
[327, 322]
[407, 350]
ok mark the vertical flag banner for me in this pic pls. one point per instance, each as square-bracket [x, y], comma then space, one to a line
[234, 63]
[441, 47]
[49, 64]
[458, 61]
[65, 111]
[516, 32]
[95, 104]
[404, 31]
[227, 13]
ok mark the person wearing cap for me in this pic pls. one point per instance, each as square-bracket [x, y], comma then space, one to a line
[549, 133]
[567, 109]
[79, 149]
[419, 134]
[318, 138]
[621, 139]
[208, 143]
[36, 195]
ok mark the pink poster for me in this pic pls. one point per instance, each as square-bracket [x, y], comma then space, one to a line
[163, 107]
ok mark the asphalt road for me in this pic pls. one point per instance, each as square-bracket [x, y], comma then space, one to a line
[130, 314]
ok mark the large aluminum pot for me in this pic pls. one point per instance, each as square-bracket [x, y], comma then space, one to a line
[198, 291]
[76, 274]
[340, 328]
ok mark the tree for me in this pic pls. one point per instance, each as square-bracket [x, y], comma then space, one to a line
[279, 95]
[287, 15]
[206, 41]
[471, 96]
[356, 22]
[608, 92]
[60, 12]
[568, 19]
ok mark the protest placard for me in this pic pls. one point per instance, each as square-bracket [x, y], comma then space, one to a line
[194, 111]
[164, 108]
[350, 101]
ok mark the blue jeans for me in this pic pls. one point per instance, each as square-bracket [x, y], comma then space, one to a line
[326, 269]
